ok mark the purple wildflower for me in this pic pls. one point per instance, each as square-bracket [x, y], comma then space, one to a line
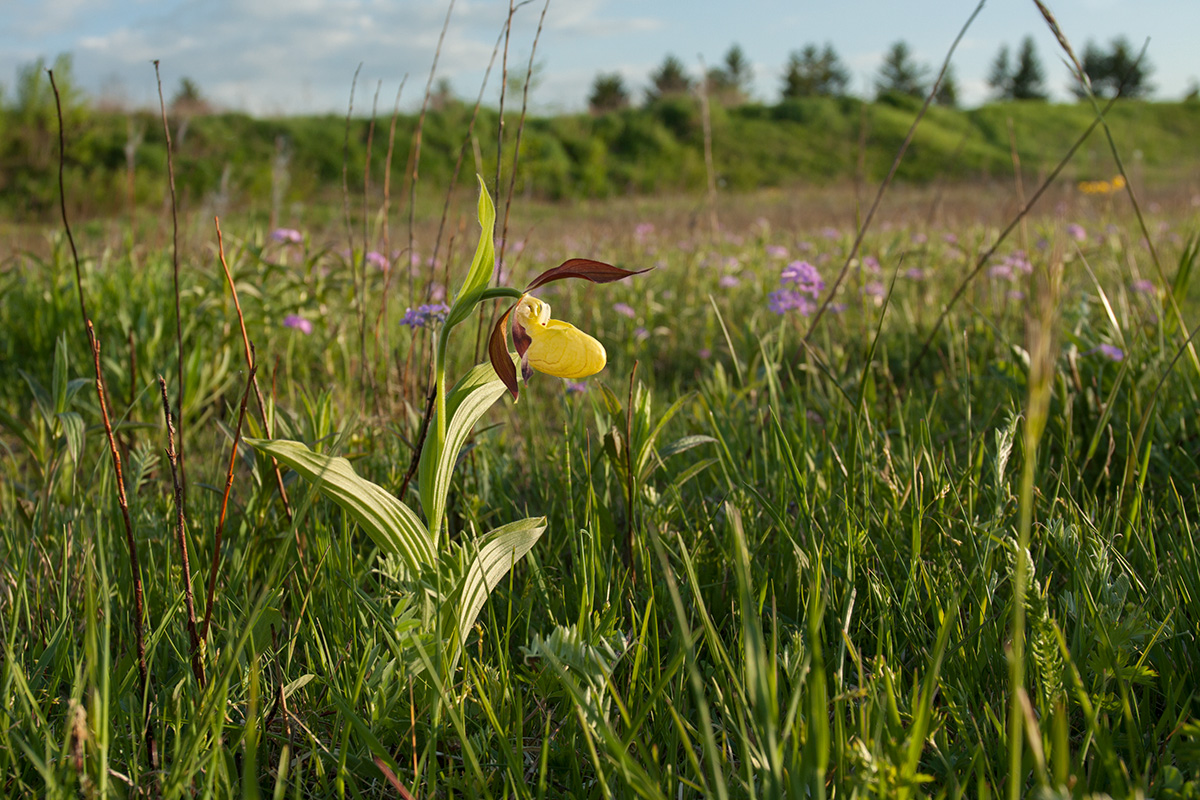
[804, 275]
[643, 231]
[1002, 270]
[298, 323]
[1143, 286]
[949, 238]
[640, 333]
[287, 236]
[830, 233]
[782, 301]
[777, 251]
[1109, 351]
[874, 289]
[577, 387]
[871, 264]
[377, 260]
[729, 281]
[919, 238]
[704, 353]
[915, 273]
[425, 316]
[1076, 232]
[625, 310]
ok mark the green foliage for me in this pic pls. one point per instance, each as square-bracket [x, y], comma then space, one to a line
[900, 74]
[608, 93]
[657, 150]
[814, 73]
[1120, 69]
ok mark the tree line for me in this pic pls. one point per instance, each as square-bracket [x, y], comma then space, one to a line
[818, 71]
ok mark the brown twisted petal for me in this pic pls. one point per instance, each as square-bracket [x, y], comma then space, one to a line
[500, 357]
[594, 271]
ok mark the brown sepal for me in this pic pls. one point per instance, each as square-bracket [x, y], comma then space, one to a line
[500, 357]
[522, 340]
[594, 271]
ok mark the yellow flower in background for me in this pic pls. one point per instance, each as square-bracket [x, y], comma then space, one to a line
[1102, 187]
[555, 347]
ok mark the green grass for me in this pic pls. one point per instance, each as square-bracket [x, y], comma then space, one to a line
[819, 596]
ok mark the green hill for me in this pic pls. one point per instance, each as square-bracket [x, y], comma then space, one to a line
[237, 159]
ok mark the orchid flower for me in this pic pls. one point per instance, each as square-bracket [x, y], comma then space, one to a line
[544, 344]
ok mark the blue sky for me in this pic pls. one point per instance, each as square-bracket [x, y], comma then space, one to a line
[298, 56]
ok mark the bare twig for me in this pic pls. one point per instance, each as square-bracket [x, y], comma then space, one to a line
[181, 536]
[503, 93]
[381, 320]
[216, 559]
[134, 567]
[62, 204]
[268, 424]
[122, 500]
[462, 153]
[362, 307]
[883, 187]
[415, 157]
[420, 443]
[986, 256]
[175, 271]
[709, 168]
[512, 177]
[356, 264]
[629, 477]
[1083, 78]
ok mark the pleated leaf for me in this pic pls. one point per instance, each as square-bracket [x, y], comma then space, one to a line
[391, 524]
[473, 395]
[494, 557]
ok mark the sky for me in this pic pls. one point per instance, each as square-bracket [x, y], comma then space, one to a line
[275, 57]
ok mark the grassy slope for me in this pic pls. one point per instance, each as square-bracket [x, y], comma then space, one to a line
[655, 150]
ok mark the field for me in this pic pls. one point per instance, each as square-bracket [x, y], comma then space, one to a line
[804, 535]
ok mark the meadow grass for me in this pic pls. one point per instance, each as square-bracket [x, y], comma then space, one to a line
[803, 585]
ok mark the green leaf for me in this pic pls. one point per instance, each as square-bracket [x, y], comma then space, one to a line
[58, 385]
[645, 448]
[393, 525]
[483, 264]
[495, 556]
[686, 443]
[73, 428]
[473, 395]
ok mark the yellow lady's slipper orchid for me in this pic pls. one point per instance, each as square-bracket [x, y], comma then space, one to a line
[555, 347]
[549, 345]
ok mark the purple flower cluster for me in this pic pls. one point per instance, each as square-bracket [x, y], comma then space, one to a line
[806, 280]
[425, 316]
[377, 260]
[287, 236]
[625, 310]
[782, 301]
[1011, 265]
[298, 323]
[777, 251]
[1109, 351]
[1076, 232]
[805, 277]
